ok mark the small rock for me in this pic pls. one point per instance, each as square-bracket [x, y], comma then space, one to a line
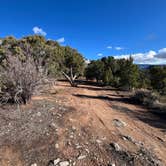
[115, 146]
[56, 146]
[53, 125]
[119, 123]
[34, 164]
[56, 130]
[87, 150]
[68, 143]
[112, 164]
[56, 161]
[70, 160]
[73, 128]
[98, 141]
[51, 163]
[39, 114]
[81, 157]
[58, 114]
[124, 138]
[54, 113]
[78, 146]
[139, 143]
[129, 138]
[64, 163]
[52, 108]
[71, 136]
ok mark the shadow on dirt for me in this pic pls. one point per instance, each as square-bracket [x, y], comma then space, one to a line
[118, 98]
[97, 88]
[152, 119]
[94, 88]
[90, 85]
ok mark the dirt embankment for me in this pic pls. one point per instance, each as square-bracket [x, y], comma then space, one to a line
[81, 126]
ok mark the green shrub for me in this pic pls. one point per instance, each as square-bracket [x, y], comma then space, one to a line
[146, 97]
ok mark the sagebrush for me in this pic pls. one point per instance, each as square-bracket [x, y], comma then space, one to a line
[18, 80]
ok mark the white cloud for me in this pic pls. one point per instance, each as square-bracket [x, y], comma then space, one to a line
[119, 48]
[61, 40]
[162, 50]
[150, 57]
[109, 47]
[39, 31]
[99, 54]
[87, 61]
[161, 53]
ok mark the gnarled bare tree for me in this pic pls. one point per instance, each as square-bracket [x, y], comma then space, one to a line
[74, 65]
[71, 78]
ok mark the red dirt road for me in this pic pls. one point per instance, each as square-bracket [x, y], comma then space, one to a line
[102, 107]
[83, 126]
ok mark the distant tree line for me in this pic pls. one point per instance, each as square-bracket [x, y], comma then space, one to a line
[114, 72]
[123, 73]
[23, 62]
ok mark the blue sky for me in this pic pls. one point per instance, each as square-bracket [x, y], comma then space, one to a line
[95, 27]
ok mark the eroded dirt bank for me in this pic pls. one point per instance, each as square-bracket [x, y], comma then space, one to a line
[81, 126]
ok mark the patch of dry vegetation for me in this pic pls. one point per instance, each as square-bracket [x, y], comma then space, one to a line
[18, 80]
[150, 99]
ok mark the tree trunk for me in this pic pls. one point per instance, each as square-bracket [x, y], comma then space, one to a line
[71, 78]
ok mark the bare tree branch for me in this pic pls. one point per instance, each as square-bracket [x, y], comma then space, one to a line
[70, 78]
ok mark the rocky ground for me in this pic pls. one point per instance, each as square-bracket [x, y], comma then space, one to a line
[84, 126]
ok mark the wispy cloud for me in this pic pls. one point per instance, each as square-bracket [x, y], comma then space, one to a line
[39, 31]
[61, 40]
[151, 37]
[119, 48]
[109, 47]
[150, 57]
[99, 54]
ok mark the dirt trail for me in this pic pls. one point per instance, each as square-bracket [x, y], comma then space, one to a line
[83, 126]
[105, 106]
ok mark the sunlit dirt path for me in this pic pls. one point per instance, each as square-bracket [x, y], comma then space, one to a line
[104, 107]
[81, 126]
